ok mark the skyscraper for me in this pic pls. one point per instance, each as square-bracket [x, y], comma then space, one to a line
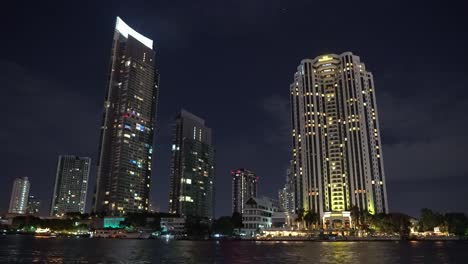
[244, 186]
[192, 168]
[337, 151]
[126, 142]
[286, 194]
[34, 205]
[71, 185]
[19, 196]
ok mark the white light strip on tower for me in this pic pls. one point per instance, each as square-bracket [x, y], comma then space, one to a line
[125, 30]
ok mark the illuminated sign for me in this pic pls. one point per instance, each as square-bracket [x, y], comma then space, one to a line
[325, 58]
[113, 222]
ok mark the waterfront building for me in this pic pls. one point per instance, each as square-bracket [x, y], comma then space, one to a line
[173, 225]
[71, 185]
[244, 186]
[126, 141]
[337, 150]
[282, 220]
[257, 215]
[19, 196]
[192, 168]
[34, 205]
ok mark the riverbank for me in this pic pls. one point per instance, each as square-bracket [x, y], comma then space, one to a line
[260, 239]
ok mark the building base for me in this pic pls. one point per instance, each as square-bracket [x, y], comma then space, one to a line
[337, 220]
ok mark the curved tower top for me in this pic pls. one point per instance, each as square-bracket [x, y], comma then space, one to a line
[126, 30]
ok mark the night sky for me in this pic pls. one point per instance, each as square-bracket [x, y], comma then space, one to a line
[231, 63]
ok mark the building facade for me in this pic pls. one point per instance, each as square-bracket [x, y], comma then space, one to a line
[337, 151]
[126, 141]
[244, 186]
[34, 205]
[19, 196]
[173, 225]
[192, 168]
[257, 215]
[71, 185]
[286, 194]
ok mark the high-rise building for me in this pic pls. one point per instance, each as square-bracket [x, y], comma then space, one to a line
[192, 168]
[34, 205]
[244, 186]
[71, 185]
[126, 142]
[286, 194]
[19, 196]
[337, 151]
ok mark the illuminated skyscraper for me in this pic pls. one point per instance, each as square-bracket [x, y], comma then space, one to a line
[244, 186]
[126, 142]
[71, 185]
[192, 168]
[19, 196]
[337, 151]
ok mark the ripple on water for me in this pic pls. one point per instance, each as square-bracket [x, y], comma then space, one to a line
[22, 249]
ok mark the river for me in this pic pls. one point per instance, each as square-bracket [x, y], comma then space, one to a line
[28, 249]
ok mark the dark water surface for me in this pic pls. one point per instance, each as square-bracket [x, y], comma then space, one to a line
[25, 249]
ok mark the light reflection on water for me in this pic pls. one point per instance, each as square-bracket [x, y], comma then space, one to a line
[25, 249]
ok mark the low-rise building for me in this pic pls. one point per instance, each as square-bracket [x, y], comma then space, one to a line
[257, 215]
[173, 225]
[283, 220]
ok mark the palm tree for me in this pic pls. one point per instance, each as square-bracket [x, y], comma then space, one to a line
[308, 219]
[300, 216]
[355, 216]
[311, 218]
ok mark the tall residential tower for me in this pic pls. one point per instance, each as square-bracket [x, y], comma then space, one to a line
[19, 196]
[244, 186]
[126, 142]
[71, 185]
[192, 168]
[337, 151]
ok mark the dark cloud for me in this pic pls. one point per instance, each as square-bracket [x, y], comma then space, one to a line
[231, 62]
[45, 119]
[278, 115]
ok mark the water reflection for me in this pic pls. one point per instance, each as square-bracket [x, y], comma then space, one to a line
[22, 249]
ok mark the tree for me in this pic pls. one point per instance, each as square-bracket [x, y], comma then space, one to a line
[224, 225]
[197, 227]
[300, 216]
[236, 219]
[355, 215]
[393, 223]
[457, 223]
[429, 220]
[311, 219]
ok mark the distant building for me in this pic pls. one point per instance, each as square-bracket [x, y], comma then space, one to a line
[192, 168]
[244, 186]
[257, 215]
[71, 185]
[126, 141]
[34, 205]
[19, 196]
[286, 194]
[336, 145]
[173, 225]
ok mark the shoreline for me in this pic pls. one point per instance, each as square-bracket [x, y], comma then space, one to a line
[284, 239]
